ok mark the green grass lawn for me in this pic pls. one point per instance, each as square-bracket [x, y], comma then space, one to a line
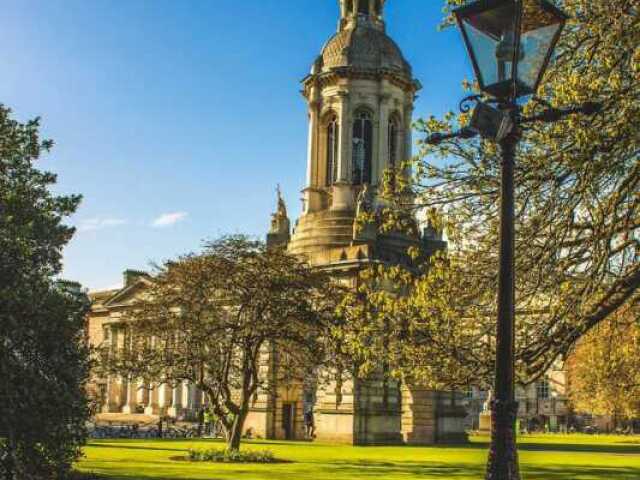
[548, 457]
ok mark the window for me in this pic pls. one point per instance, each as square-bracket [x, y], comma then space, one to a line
[363, 7]
[362, 148]
[543, 389]
[333, 144]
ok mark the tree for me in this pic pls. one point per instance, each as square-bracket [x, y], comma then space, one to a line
[578, 209]
[604, 369]
[43, 358]
[216, 318]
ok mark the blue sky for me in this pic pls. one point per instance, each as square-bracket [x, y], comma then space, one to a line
[177, 118]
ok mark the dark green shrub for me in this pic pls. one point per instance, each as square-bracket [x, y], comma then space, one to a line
[221, 455]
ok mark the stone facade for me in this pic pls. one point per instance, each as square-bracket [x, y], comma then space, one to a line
[360, 95]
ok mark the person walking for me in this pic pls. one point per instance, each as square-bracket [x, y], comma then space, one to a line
[309, 423]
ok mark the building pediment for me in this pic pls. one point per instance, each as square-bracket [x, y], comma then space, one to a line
[129, 294]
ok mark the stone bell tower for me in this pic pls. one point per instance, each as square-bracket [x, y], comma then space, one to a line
[360, 95]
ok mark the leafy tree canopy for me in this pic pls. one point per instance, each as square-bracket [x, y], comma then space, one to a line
[219, 319]
[605, 368]
[43, 360]
[578, 209]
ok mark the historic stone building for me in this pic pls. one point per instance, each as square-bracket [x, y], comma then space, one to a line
[360, 95]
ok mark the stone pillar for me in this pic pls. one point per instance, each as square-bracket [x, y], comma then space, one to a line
[130, 397]
[344, 155]
[110, 402]
[164, 399]
[142, 394]
[342, 190]
[313, 196]
[153, 407]
[176, 409]
[419, 417]
[185, 395]
[113, 393]
[408, 142]
[381, 157]
[312, 147]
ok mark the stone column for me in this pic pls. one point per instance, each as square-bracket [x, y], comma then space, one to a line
[108, 404]
[131, 399]
[142, 394]
[344, 155]
[312, 193]
[408, 143]
[312, 147]
[381, 157]
[164, 399]
[153, 405]
[186, 399]
[342, 190]
[113, 402]
[176, 408]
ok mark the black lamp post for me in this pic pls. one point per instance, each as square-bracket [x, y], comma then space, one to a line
[510, 43]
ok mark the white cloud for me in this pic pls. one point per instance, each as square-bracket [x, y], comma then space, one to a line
[169, 219]
[100, 224]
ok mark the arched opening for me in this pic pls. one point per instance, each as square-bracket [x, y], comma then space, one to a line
[363, 7]
[362, 148]
[333, 146]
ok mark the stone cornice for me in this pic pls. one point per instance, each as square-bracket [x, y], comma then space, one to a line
[332, 77]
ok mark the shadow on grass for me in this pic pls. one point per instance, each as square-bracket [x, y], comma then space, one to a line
[619, 447]
[428, 470]
[124, 446]
[434, 470]
[589, 448]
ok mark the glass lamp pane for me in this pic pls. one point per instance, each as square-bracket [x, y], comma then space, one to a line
[540, 30]
[490, 39]
[489, 31]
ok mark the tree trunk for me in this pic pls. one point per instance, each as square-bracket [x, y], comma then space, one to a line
[235, 435]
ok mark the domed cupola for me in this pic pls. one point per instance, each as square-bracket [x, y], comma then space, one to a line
[360, 94]
[361, 42]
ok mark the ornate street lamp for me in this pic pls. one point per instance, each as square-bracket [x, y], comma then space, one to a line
[510, 43]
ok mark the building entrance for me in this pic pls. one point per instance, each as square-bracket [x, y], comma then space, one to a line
[288, 420]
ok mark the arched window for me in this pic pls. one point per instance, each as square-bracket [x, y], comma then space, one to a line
[333, 145]
[362, 148]
[363, 7]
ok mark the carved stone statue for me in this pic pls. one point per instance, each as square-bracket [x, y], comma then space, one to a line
[364, 203]
[486, 407]
[364, 206]
[282, 208]
[280, 224]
